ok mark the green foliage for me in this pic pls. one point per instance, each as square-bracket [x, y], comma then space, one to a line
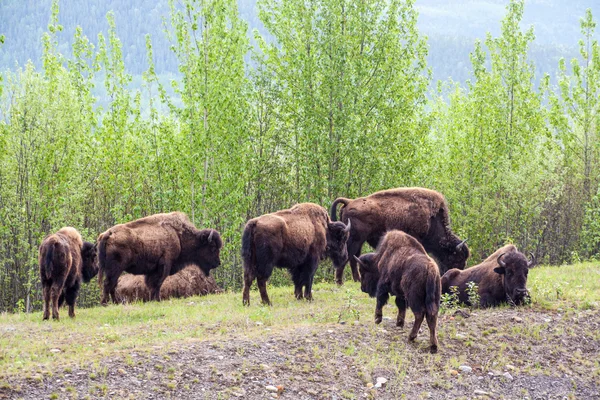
[473, 294]
[450, 301]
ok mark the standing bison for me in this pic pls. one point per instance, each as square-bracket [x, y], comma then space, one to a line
[65, 260]
[296, 239]
[422, 213]
[500, 277]
[402, 268]
[156, 246]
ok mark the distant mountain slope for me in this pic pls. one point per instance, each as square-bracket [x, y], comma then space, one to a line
[452, 27]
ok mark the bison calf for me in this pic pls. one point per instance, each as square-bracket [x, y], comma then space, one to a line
[65, 260]
[402, 268]
[500, 277]
[295, 239]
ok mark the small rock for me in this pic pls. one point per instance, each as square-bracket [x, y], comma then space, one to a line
[121, 371]
[329, 331]
[380, 382]
[356, 322]
[239, 392]
[312, 392]
[264, 366]
[370, 385]
[517, 319]
[271, 388]
[221, 357]
[460, 336]
[259, 323]
[274, 395]
[453, 372]
[387, 318]
[54, 350]
[481, 393]
[466, 369]
[510, 367]
[507, 376]
[342, 322]
[280, 388]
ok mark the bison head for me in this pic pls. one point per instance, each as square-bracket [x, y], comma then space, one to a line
[89, 261]
[454, 255]
[208, 245]
[369, 273]
[514, 268]
[337, 236]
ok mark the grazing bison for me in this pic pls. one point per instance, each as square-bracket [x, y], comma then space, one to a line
[422, 213]
[190, 281]
[296, 239]
[65, 260]
[402, 268]
[156, 246]
[500, 277]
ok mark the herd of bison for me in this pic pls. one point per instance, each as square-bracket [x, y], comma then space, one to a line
[404, 225]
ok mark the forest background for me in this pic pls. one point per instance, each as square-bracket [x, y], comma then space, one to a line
[111, 111]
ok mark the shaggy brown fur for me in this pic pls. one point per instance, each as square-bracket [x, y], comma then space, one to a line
[156, 246]
[295, 239]
[65, 260]
[402, 268]
[190, 281]
[496, 283]
[420, 212]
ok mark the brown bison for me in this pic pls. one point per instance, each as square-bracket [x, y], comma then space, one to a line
[156, 246]
[65, 260]
[422, 213]
[402, 268]
[295, 239]
[190, 281]
[500, 277]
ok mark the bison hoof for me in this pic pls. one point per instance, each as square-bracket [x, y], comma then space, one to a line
[246, 303]
[433, 349]
[400, 324]
[378, 320]
[412, 338]
[339, 283]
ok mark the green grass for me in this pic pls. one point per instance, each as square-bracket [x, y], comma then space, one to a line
[96, 333]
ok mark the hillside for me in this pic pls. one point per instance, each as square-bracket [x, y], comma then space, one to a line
[213, 347]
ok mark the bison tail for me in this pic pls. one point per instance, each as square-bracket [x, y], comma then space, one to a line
[433, 291]
[333, 209]
[247, 239]
[48, 260]
[102, 256]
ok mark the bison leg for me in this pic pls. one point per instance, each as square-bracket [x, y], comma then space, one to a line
[262, 287]
[354, 248]
[55, 293]
[382, 299]
[70, 297]
[401, 304]
[432, 323]
[312, 268]
[298, 290]
[154, 283]
[248, 278]
[46, 293]
[415, 329]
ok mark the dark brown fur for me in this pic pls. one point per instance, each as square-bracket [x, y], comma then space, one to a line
[156, 246]
[402, 268]
[190, 281]
[65, 260]
[495, 284]
[422, 213]
[295, 239]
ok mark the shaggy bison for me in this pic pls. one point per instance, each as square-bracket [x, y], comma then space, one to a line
[422, 213]
[402, 268]
[296, 239]
[65, 260]
[500, 277]
[190, 281]
[156, 246]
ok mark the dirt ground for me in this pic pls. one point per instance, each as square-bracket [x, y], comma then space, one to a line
[512, 354]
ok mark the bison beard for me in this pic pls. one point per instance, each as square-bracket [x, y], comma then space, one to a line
[402, 268]
[502, 277]
[156, 246]
[190, 281]
[295, 239]
[65, 260]
[422, 213]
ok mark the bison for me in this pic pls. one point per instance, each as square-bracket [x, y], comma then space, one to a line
[65, 260]
[190, 281]
[402, 268]
[422, 213]
[295, 239]
[156, 246]
[500, 277]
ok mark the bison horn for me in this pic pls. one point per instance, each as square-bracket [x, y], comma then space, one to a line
[358, 261]
[460, 245]
[211, 235]
[347, 228]
[500, 261]
[531, 262]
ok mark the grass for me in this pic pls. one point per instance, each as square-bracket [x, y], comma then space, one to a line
[28, 345]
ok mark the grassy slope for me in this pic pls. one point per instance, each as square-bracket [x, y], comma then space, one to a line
[97, 334]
